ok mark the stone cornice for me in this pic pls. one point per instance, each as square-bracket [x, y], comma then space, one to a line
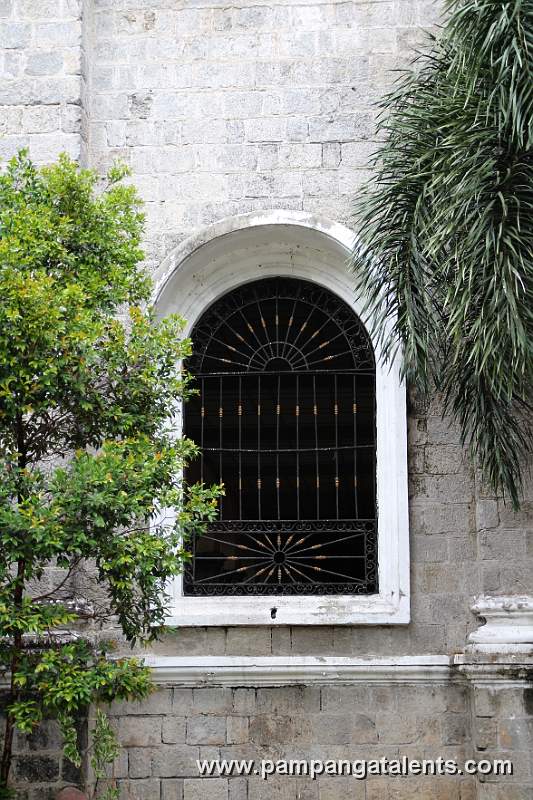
[290, 670]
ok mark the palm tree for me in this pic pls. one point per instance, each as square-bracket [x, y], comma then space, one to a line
[446, 254]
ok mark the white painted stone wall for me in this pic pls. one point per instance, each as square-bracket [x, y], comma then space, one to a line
[225, 108]
[40, 77]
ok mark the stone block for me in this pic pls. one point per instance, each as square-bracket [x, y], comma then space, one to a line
[216, 700]
[341, 788]
[429, 548]
[173, 730]
[159, 702]
[404, 728]
[253, 18]
[175, 761]
[515, 734]
[61, 33]
[442, 431]
[281, 641]
[35, 769]
[487, 515]
[244, 701]
[343, 729]
[265, 129]
[47, 736]
[248, 641]
[140, 762]
[341, 128]
[143, 789]
[331, 155]
[70, 773]
[490, 576]
[205, 729]
[300, 156]
[205, 789]
[462, 548]
[238, 789]
[120, 766]
[237, 730]
[35, 9]
[273, 730]
[439, 578]
[44, 63]
[288, 699]
[485, 733]
[210, 753]
[45, 147]
[6, 8]
[439, 516]
[171, 789]
[444, 459]
[457, 487]
[276, 788]
[485, 702]
[498, 544]
[454, 728]
[139, 731]
[312, 640]
[71, 793]
[41, 119]
[14, 35]
[312, 17]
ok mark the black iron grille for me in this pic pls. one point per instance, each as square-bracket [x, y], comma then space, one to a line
[285, 418]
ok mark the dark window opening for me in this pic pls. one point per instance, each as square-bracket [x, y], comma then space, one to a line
[285, 418]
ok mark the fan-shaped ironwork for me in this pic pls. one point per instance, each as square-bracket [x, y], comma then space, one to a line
[280, 325]
[285, 418]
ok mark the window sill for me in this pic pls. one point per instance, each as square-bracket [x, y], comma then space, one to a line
[305, 610]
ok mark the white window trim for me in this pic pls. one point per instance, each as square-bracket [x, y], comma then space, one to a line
[295, 244]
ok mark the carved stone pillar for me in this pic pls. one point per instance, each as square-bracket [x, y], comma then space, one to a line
[498, 663]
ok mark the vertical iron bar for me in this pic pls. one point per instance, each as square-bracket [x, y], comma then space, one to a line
[278, 412]
[297, 410]
[315, 413]
[354, 415]
[239, 414]
[202, 415]
[336, 415]
[277, 322]
[220, 415]
[259, 446]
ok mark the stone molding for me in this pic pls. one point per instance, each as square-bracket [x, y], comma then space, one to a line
[238, 671]
[508, 626]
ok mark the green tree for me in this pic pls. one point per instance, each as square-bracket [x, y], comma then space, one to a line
[446, 226]
[88, 456]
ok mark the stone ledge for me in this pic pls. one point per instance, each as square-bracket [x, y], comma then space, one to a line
[293, 670]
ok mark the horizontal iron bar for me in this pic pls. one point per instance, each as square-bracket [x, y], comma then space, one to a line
[288, 449]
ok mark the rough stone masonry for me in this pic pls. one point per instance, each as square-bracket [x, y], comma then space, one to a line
[225, 107]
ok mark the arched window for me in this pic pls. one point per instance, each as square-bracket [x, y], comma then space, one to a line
[286, 419]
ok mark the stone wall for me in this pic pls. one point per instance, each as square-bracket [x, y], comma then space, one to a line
[223, 108]
[40, 78]
[226, 108]
[165, 736]
[39, 767]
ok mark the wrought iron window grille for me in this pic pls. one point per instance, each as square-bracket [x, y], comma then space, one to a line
[285, 418]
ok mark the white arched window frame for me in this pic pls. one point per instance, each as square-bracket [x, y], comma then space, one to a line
[246, 248]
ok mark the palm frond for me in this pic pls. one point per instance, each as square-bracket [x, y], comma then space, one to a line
[446, 227]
